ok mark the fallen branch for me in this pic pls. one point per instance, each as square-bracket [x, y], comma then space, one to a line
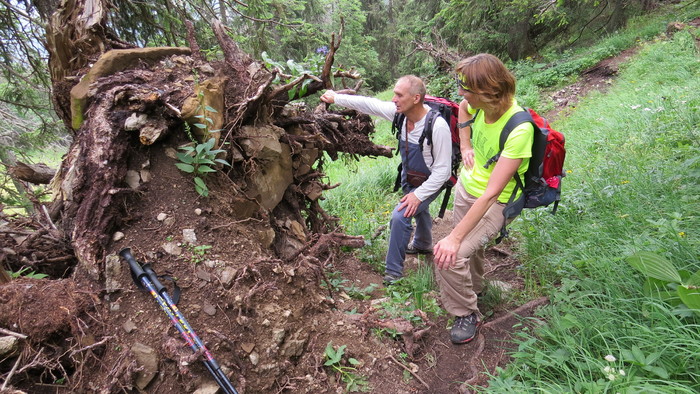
[409, 371]
[91, 346]
[14, 334]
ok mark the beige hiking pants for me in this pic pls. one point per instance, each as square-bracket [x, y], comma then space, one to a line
[459, 285]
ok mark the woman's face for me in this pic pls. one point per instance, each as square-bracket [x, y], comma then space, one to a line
[471, 97]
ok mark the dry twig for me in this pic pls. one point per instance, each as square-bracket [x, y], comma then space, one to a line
[409, 371]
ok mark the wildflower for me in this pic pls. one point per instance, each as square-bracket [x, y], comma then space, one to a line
[622, 372]
[611, 377]
[635, 106]
[610, 358]
[322, 50]
[608, 369]
[625, 182]
[681, 234]
[569, 171]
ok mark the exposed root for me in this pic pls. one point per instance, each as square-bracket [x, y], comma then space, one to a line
[521, 310]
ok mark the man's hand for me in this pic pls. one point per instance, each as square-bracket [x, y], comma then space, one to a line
[410, 202]
[445, 253]
[328, 97]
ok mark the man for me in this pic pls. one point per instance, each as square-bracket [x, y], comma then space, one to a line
[424, 171]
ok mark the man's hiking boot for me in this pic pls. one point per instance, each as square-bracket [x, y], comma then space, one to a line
[410, 249]
[464, 328]
[390, 279]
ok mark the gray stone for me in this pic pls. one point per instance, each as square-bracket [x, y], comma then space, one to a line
[147, 359]
[266, 237]
[172, 248]
[133, 179]
[145, 175]
[209, 309]
[135, 121]
[113, 271]
[117, 236]
[129, 326]
[8, 345]
[254, 358]
[161, 216]
[226, 277]
[207, 69]
[203, 275]
[171, 152]
[294, 345]
[188, 236]
[278, 335]
[208, 387]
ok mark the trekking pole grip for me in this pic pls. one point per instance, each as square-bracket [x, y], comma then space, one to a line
[154, 279]
[133, 264]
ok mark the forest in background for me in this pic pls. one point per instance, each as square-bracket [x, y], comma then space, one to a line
[383, 39]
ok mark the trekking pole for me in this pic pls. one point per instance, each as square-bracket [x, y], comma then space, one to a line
[150, 281]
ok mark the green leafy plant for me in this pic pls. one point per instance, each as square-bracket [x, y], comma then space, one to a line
[667, 282]
[198, 252]
[30, 274]
[199, 160]
[647, 362]
[311, 65]
[334, 360]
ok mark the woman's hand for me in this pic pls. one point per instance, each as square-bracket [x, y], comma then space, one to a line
[468, 157]
[445, 252]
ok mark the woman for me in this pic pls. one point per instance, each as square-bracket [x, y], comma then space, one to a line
[484, 189]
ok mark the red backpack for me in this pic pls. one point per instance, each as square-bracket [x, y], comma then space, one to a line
[542, 185]
[448, 110]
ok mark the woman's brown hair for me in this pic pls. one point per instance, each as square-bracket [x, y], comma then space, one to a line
[487, 76]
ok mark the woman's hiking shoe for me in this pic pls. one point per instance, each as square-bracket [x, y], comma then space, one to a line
[410, 249]
[464, 328]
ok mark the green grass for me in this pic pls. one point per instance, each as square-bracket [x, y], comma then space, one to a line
[634, 160]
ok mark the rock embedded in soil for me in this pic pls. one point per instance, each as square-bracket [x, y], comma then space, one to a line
[147, 360]
[188, 236]
[8, 346]
[172, 248]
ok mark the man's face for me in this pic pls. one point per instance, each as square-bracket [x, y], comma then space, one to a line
[404, 100]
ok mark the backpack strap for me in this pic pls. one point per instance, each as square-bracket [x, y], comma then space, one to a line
[516, 120]
[428, 128]
[445, 200]
[396, 126]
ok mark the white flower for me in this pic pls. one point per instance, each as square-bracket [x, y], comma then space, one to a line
[611, 377]
[610, 358]
[622, 372]
[608, 369]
